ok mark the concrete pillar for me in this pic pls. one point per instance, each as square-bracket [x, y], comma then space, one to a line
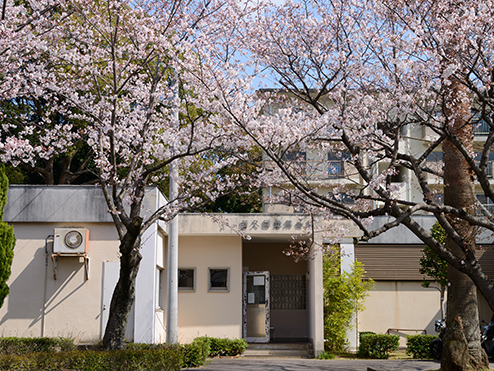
[347, 251]
[315, 301]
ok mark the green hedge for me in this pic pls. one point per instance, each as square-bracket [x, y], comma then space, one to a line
[226, 347]
[377, 346]
[196, 353]
[123, 360]
[26, 354]
[13, 345]
[419, 346]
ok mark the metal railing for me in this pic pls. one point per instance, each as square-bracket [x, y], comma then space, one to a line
[481, 128]
[315, 169]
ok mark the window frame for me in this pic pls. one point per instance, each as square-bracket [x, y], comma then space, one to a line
[160, 271]
[219, 289]
[194, 278]
[336, 164]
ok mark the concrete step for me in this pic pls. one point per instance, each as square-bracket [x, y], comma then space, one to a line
[294, 346]
[275, 353]
[282, 350]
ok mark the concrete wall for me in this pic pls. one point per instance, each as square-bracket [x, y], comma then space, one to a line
[73, 305]
[215, 314]
[67, 203]
[400, 305]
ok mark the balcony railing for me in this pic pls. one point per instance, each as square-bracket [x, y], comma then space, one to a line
[488, 207]
[318, 170]
[481, 128]
[488, 169]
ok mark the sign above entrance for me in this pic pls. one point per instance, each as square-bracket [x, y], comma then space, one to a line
[261, 224]
[272, 225]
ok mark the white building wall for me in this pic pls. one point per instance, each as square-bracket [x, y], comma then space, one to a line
[145, 297]
[215, 314]
[405, 307]
[72, 305]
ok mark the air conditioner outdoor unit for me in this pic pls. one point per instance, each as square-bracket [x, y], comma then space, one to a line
[70, 240]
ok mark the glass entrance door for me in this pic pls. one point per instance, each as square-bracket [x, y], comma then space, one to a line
[256, 307]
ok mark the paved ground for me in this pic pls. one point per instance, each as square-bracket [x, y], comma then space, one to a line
[279, 364]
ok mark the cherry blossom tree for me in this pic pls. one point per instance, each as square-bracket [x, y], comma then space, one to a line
[122, 75]
[363, 95]
[356, 86]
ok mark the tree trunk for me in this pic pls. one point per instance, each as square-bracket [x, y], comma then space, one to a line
[461, 348]
[48, 172]
[124, 294]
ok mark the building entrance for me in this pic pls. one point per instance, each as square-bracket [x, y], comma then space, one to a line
[256, 307]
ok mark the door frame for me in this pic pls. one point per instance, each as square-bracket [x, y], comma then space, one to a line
[267, 322]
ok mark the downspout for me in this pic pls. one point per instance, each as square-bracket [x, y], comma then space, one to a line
[43, 312]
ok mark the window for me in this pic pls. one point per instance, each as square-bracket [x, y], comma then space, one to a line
[480, 126]
[488, 169]
[342, 197]
[398, 174]
[434, 162]
[490, 162]
[438, 198]
[336, 164]
[486, 203]
[218, 279]
[434, 157]
[296, 160]
[295, 156]
[186, 279]
[159, 287]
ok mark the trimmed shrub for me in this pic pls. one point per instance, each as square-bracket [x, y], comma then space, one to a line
[377, 345]
[196, 353]
[123, 360]
[363, 333]
[14, 345]
[226, 347]
[419, 346]
[47, 354]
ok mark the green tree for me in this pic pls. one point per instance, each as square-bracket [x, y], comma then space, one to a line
[434, 266]
[246, 197]
[70, 164]
[7, 239]
[344, 294]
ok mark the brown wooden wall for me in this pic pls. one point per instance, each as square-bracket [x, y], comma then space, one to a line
[401, 262]
[390, 262]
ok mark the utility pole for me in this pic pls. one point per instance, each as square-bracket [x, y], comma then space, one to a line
[172, 300]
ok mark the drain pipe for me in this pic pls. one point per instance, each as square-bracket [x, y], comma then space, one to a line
[44, 289]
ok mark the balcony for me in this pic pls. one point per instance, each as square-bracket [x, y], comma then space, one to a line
[486, 203]
[315, 167]
[480, 128]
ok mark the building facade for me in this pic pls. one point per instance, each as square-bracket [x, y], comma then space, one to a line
[229, 286]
